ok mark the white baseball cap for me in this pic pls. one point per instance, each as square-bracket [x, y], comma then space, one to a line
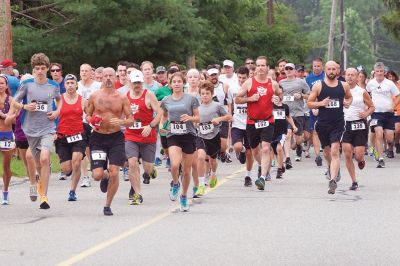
[212, 71]
[228, 63]
[136, 76]
[291, 65]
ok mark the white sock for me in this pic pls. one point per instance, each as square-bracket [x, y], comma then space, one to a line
[201, 181]
[248, 173]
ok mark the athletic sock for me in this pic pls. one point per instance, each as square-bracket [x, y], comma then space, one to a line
[201, 181]
[248, 173]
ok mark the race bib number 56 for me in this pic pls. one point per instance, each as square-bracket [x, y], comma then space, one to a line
[41, 106]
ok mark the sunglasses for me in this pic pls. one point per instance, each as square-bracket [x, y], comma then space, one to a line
[249, 63]
[288, 68]
[55, 70]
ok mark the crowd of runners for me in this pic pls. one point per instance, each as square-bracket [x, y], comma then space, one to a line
[134, 117]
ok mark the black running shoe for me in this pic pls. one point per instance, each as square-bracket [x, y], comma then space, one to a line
[104, 185]
[242, 157]
[390, 154]
[318, 160]
[279, 173]
[107, 211]
[288, 163]
[227, 158]
[354, 186]
[131, 192]
[247, 181]
[222, 157]
[146, 178]
[332, 187]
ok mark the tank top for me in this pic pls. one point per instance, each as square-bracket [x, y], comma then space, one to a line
[6, 106]
[357, 106]
[154, 86]
[219, 94]
[262, 109]
[143, 116]
[334, 111]
[70, 117]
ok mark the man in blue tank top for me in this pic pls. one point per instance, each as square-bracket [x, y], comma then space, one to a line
[329, 97]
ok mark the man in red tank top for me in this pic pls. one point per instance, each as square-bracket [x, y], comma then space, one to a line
[259, 92]
[140, 139]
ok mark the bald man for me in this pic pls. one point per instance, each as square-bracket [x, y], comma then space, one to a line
[355, 135]
[108, 110]
[329, 97]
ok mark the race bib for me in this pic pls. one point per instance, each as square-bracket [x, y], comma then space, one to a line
[7, 144]
[41, 106]
[357, 125]
[136, 125]
[206, 128]
[333, 104]
[99, 155]
[178, 128]
[74, 138]
[242, 110]
[288, 98]
[373, 122]
[279, 114]
[261, 124]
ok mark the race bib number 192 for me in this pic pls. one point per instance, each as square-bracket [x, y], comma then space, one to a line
[261, 124]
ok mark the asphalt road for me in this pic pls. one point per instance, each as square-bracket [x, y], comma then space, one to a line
[293, 222]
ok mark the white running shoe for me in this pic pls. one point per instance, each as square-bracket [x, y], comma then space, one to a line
[33, 192]
[86, 182]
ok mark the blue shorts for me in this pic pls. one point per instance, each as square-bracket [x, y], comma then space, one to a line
[7, 136]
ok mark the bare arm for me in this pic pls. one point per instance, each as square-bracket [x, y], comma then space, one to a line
[11, 116]
[348, 98]
[291, 122]
[241, 97]
[368, 102]
[312, 98]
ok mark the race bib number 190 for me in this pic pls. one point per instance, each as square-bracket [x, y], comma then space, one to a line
[261, 124]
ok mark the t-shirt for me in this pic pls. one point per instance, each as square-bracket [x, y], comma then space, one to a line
[13, 83]
[382, 93]
[239, 110]
[153, 86]
[280, 114]
[312, 79]
[36, 123]
[85, 92]
[124, 89]
[176, 108]
[207, 113]
[162, 92]
[232, 81]
[290, 87]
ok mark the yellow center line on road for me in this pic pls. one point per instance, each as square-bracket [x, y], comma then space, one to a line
[98, 247]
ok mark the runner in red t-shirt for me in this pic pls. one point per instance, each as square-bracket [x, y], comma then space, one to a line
[259, 92]
[71, 142]
[140, 139]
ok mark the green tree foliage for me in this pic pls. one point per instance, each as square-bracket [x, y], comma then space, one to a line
[102, 32]
[392, 20]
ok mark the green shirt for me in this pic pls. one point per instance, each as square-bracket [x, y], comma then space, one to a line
[163, 92]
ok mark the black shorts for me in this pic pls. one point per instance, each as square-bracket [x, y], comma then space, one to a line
[224, 129]
[163, 140]
[87, 131]
[239, 135]
[256, 136]
[186, 142]
[329, 133]
[211, 146]
[385, 120]
[299, 122]
[354, 136]
[278, 140]
[307, 124]
[107, 148]
[396, 119]
[65, 150]
[22, 144]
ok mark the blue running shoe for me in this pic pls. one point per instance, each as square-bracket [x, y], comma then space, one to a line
[125, 173]
[173, 192]
[168, 163]
[184, 204]
[72, 196]
[157, 162]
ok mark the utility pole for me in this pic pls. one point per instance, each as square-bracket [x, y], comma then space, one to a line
[342, 36]
[270, 12]
[5, 30]
[332, 30]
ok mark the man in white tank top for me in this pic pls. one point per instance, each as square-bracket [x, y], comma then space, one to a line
[356, 133]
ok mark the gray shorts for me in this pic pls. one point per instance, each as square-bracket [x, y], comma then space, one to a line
[36, 144]
[299, 121]
[146, 151]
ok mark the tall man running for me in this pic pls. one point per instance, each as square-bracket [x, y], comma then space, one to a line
[330, 96]
[258, 92]
[38, 125]
[107, 146]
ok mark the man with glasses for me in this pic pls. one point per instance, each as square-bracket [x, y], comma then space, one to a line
[121, 71]
[382, 90]
[7, 68]
[56, 75]
[295, 90]
[249, 62]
